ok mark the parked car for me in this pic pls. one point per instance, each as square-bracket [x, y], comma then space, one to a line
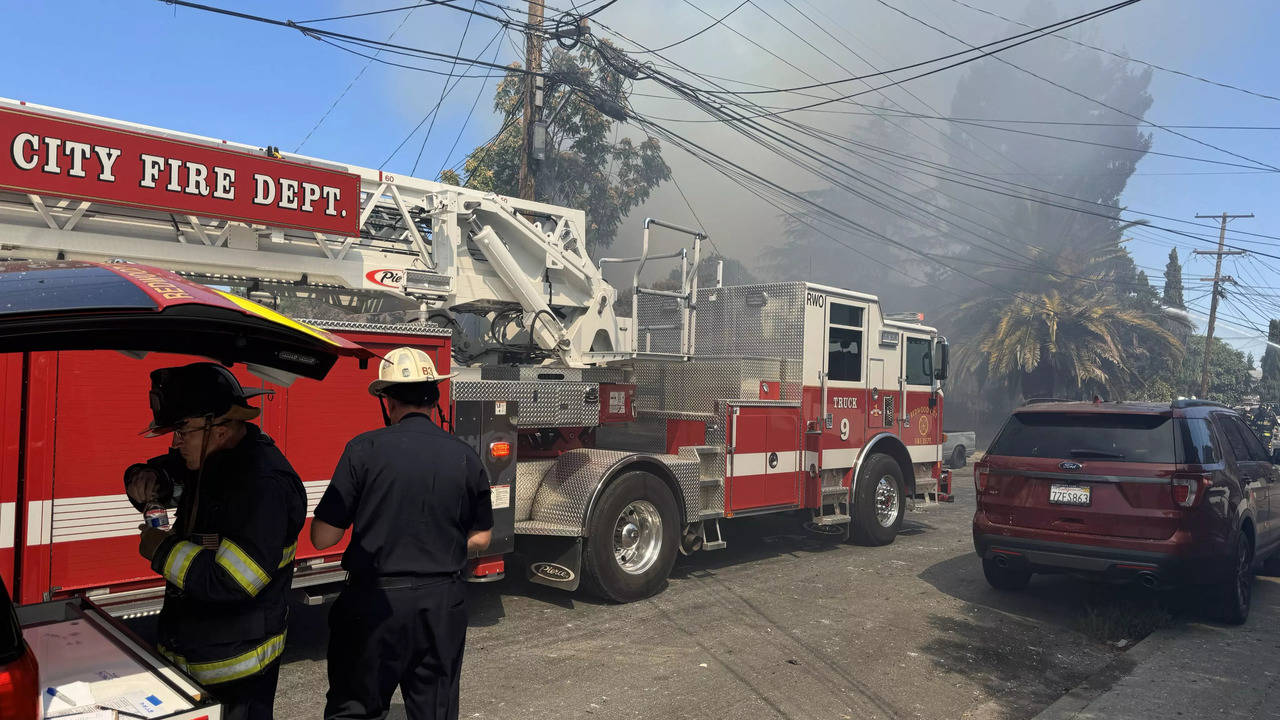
[1154, 493]
[957, 447]
[19, 674]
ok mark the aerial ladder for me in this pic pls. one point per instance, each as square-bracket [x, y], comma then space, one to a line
[519, 268]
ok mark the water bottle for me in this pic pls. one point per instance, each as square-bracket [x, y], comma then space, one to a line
[156, 516]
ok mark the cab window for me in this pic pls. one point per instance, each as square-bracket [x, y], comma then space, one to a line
[919, 361]
[844, 343]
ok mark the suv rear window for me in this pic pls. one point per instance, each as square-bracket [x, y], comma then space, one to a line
[1114, 437]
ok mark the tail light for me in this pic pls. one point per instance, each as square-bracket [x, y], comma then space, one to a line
[500, 449]
[1186, 489]
[981, 475]
[20, 689]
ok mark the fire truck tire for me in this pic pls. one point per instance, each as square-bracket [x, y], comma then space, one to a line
[879, 502]
[632, 538]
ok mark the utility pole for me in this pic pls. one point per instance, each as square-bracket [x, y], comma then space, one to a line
[1217, 281]
[532, 95]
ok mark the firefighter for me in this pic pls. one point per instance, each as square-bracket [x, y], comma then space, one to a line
[417, 500]
[228, 561]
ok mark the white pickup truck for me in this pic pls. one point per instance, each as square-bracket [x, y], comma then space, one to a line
[957, 447]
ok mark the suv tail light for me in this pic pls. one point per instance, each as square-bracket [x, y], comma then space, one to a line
[1186, 489]
[981, 474]
[20, 689]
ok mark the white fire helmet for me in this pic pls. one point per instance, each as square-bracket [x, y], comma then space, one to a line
[405, 365]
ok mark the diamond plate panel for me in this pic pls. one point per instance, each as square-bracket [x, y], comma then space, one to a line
[427, 330]
[751, 320]
[529, 474]
[542, 403]
[568, 486]
[668, 387]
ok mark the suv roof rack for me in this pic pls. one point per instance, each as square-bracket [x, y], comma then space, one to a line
[1194, 402]
[1037, 401]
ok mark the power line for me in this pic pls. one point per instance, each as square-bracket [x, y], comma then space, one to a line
[444, 88]
[1022, 37]
[458, 138]
[410, 8]
[318, 32]
[684, 40]
[1085, 96]
[351, 84]
[1128, 58]
[445, 91]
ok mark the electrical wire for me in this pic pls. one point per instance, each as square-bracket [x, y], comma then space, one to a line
[1021, 37]
[467, 121]
[351, 84]
[1128, 58]
[686, 39]
[318, 33]
[1085, 96]
[444, 89]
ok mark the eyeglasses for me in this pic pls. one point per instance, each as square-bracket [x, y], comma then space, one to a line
[182, 433]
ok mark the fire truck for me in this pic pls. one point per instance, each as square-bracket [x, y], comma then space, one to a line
[613, 443]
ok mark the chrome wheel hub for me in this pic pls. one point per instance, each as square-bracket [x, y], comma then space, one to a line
[637, 537]
[887, 501]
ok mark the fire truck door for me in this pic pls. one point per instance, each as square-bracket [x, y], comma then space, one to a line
[764, 466]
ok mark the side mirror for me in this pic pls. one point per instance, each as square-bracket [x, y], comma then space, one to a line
[944, 360]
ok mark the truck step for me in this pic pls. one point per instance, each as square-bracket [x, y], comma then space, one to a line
[714, 545]
[711, 515]
[831, 520]
[834, 490]
[711, 482]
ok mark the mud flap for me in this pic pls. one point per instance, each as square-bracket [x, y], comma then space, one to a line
[553, 561]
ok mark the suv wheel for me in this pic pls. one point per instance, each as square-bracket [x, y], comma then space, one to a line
[1004, 578]
[1232, 597]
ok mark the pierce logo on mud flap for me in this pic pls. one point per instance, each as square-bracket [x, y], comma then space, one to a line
[552, 571]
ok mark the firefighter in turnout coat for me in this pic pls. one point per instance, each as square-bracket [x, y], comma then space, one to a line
[228, 562]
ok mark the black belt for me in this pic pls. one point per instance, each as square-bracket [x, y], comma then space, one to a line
[400, 582]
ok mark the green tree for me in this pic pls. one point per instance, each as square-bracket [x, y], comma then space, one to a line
[1073, 333]
[1073, 260]
[1269, 385]
[585, 167]
[1173, 281]
[1229, 379]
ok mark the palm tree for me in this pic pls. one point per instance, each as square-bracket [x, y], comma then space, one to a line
[1075, 324]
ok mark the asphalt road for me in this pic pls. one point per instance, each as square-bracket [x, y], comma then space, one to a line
[777, 625]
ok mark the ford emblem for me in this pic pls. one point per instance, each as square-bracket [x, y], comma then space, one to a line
[1070, 465]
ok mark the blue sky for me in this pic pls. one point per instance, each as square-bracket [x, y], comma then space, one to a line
[148, 62]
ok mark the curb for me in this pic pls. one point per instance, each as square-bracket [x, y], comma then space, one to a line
[1078, 698]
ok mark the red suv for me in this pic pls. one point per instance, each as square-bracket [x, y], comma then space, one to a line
[1157, 494]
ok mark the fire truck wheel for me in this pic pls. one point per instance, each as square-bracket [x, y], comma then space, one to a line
[878, 502]
[632, 538]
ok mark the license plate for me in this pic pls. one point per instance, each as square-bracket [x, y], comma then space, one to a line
[1069, 494]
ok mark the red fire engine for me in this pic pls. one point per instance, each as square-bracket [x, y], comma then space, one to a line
[613, 443]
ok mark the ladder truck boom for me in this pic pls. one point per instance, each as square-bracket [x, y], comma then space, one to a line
[444, 248]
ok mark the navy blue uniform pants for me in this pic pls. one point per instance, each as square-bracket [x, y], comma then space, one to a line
[383, 637]
[251, 698]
